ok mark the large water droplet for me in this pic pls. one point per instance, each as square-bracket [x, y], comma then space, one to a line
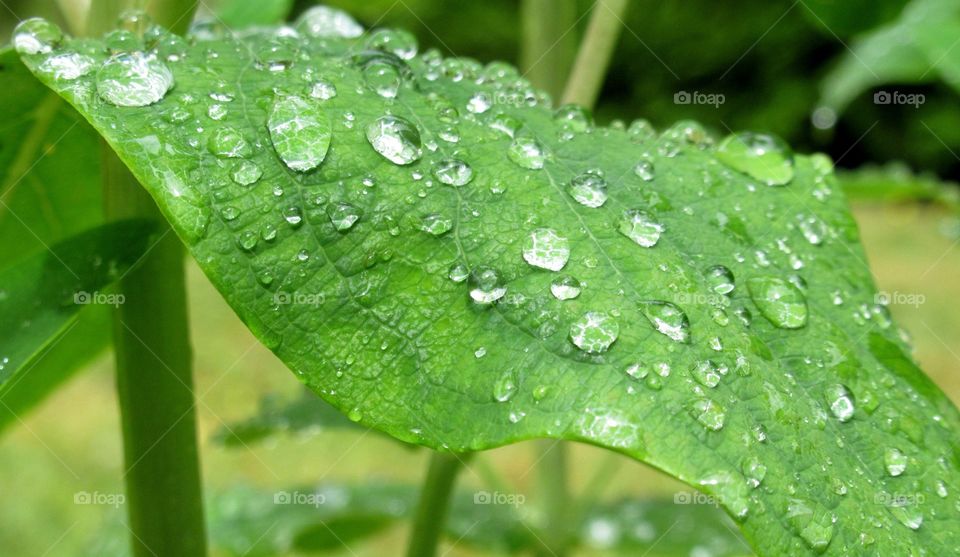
[710, 414]
[343, 215]
[840, 400]
[133, 79]
[486, 285]
[565, 287]
[782, 303]
[667, 319]
[382, 78]
[814, 528]
[300, 132]
[452, 172]
[436, 224]
[67, 66]
[246, 173]
[36, 36]
[589, 189]
[547, 249]
[526, 152]
[505, 387]
[895, 461]
[594, 332]
[395, 138]
[395, 41]
[708, 373]
[763, 157]
[640, 227]
[227, 142]
[908, 514]
[323, 21]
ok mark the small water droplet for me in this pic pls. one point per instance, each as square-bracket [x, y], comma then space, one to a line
[594, 332]
[343, 215]
[300, 132]
[246, 173]
[547, 249]
[479, 103]
[227, 142]
[452, 172]
[644, 170]
[708, 373]
[486, 285]
[640, 227]
[526, 152]
[505, 387]
[895, 461]
[458, 272]
[589, 189]
[760, 156]
[323, 90]
[840, 401]
[565, 287]
[395, 138]
[709, 413]
[436, 224]
[782, 303]
[67, 66]
[667, 319]
[720, 279]
[573, 117]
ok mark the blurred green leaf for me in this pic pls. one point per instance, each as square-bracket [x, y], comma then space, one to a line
[842, 18]
[241, 14]
[337, 248]
[41, 296]
[895, 182]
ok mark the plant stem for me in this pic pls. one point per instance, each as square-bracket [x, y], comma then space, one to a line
[554, 497]
[434, 503]
[549, 43]
[595, 52]
[174, 15]
[155, 386]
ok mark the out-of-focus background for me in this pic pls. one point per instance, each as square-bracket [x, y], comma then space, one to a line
[874, 84]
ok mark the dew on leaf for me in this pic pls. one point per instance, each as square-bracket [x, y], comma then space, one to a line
[565, 287]
[760, 156]
[640, 227]
[246, 173]
[382, 78]
[486, 285]
[133, 79]
[594, 332]
[395, 138]
[458, 272]
[815, 528]
[589, 189]
[300, 132]
[505, 387]
[708, 373]
[452, 172]
[327, 22]
[343, 215]
[909, 515]
[840, 401]
[248, 240]
[293, 215]
[227, 142]
[479, 103]
[710, 414]
[67, 66]
[323, 90]
[547, 249]
[644, 170]
[667, 319]
[573, 117]
[436, 224]
[782, 303]
[720, 279]
[526, 152]
[895, 461]
[398, 42]
[754, 470]
[36, 36]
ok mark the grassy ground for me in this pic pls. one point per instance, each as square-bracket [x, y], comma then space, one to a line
[71, 444]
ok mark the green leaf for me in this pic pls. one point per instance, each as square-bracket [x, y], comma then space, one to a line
[407, 278]
[895, 182]
[244, 13]
[41, 296]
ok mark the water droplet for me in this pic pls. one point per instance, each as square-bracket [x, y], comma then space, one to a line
[526, 152]
[667, 319]
[323, 21]
[395, 138]
[895, 461]
[246, 173]
[505, 124]
[909, 515]
[36, 36]
[594, 332]
[300, 132]
[708, 373]
[710, 414]
[133, 79]
[547, 249]
[67, 66]
[343, 215]
[458, 272]
[644, 170]
[720, 279]
[227, 142]
[248, 240]
[589, 189]
[479, 103]
[486, 285]
[840, 400]
[814, 528]
[760, 156]
[782, 303]
[436, 224]
[452, 172]
[395, 41]
[640, 227]
[505, 387]
[813, 229]
[323, 90]
[382, 78]
[754, 470]
[565, 287]
[293, 215]
[573, 117]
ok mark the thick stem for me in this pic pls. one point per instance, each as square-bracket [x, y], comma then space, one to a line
[434, 503]
[549, 42]
[554, 497]
[155, 386]
[595, 52]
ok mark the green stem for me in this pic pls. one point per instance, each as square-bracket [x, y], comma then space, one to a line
[155, 386]
[554, 497]
[595, 52]
[548, 43]
[434, 503]
[174, 15]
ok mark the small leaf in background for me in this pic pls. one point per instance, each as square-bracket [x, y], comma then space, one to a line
[452, 339]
